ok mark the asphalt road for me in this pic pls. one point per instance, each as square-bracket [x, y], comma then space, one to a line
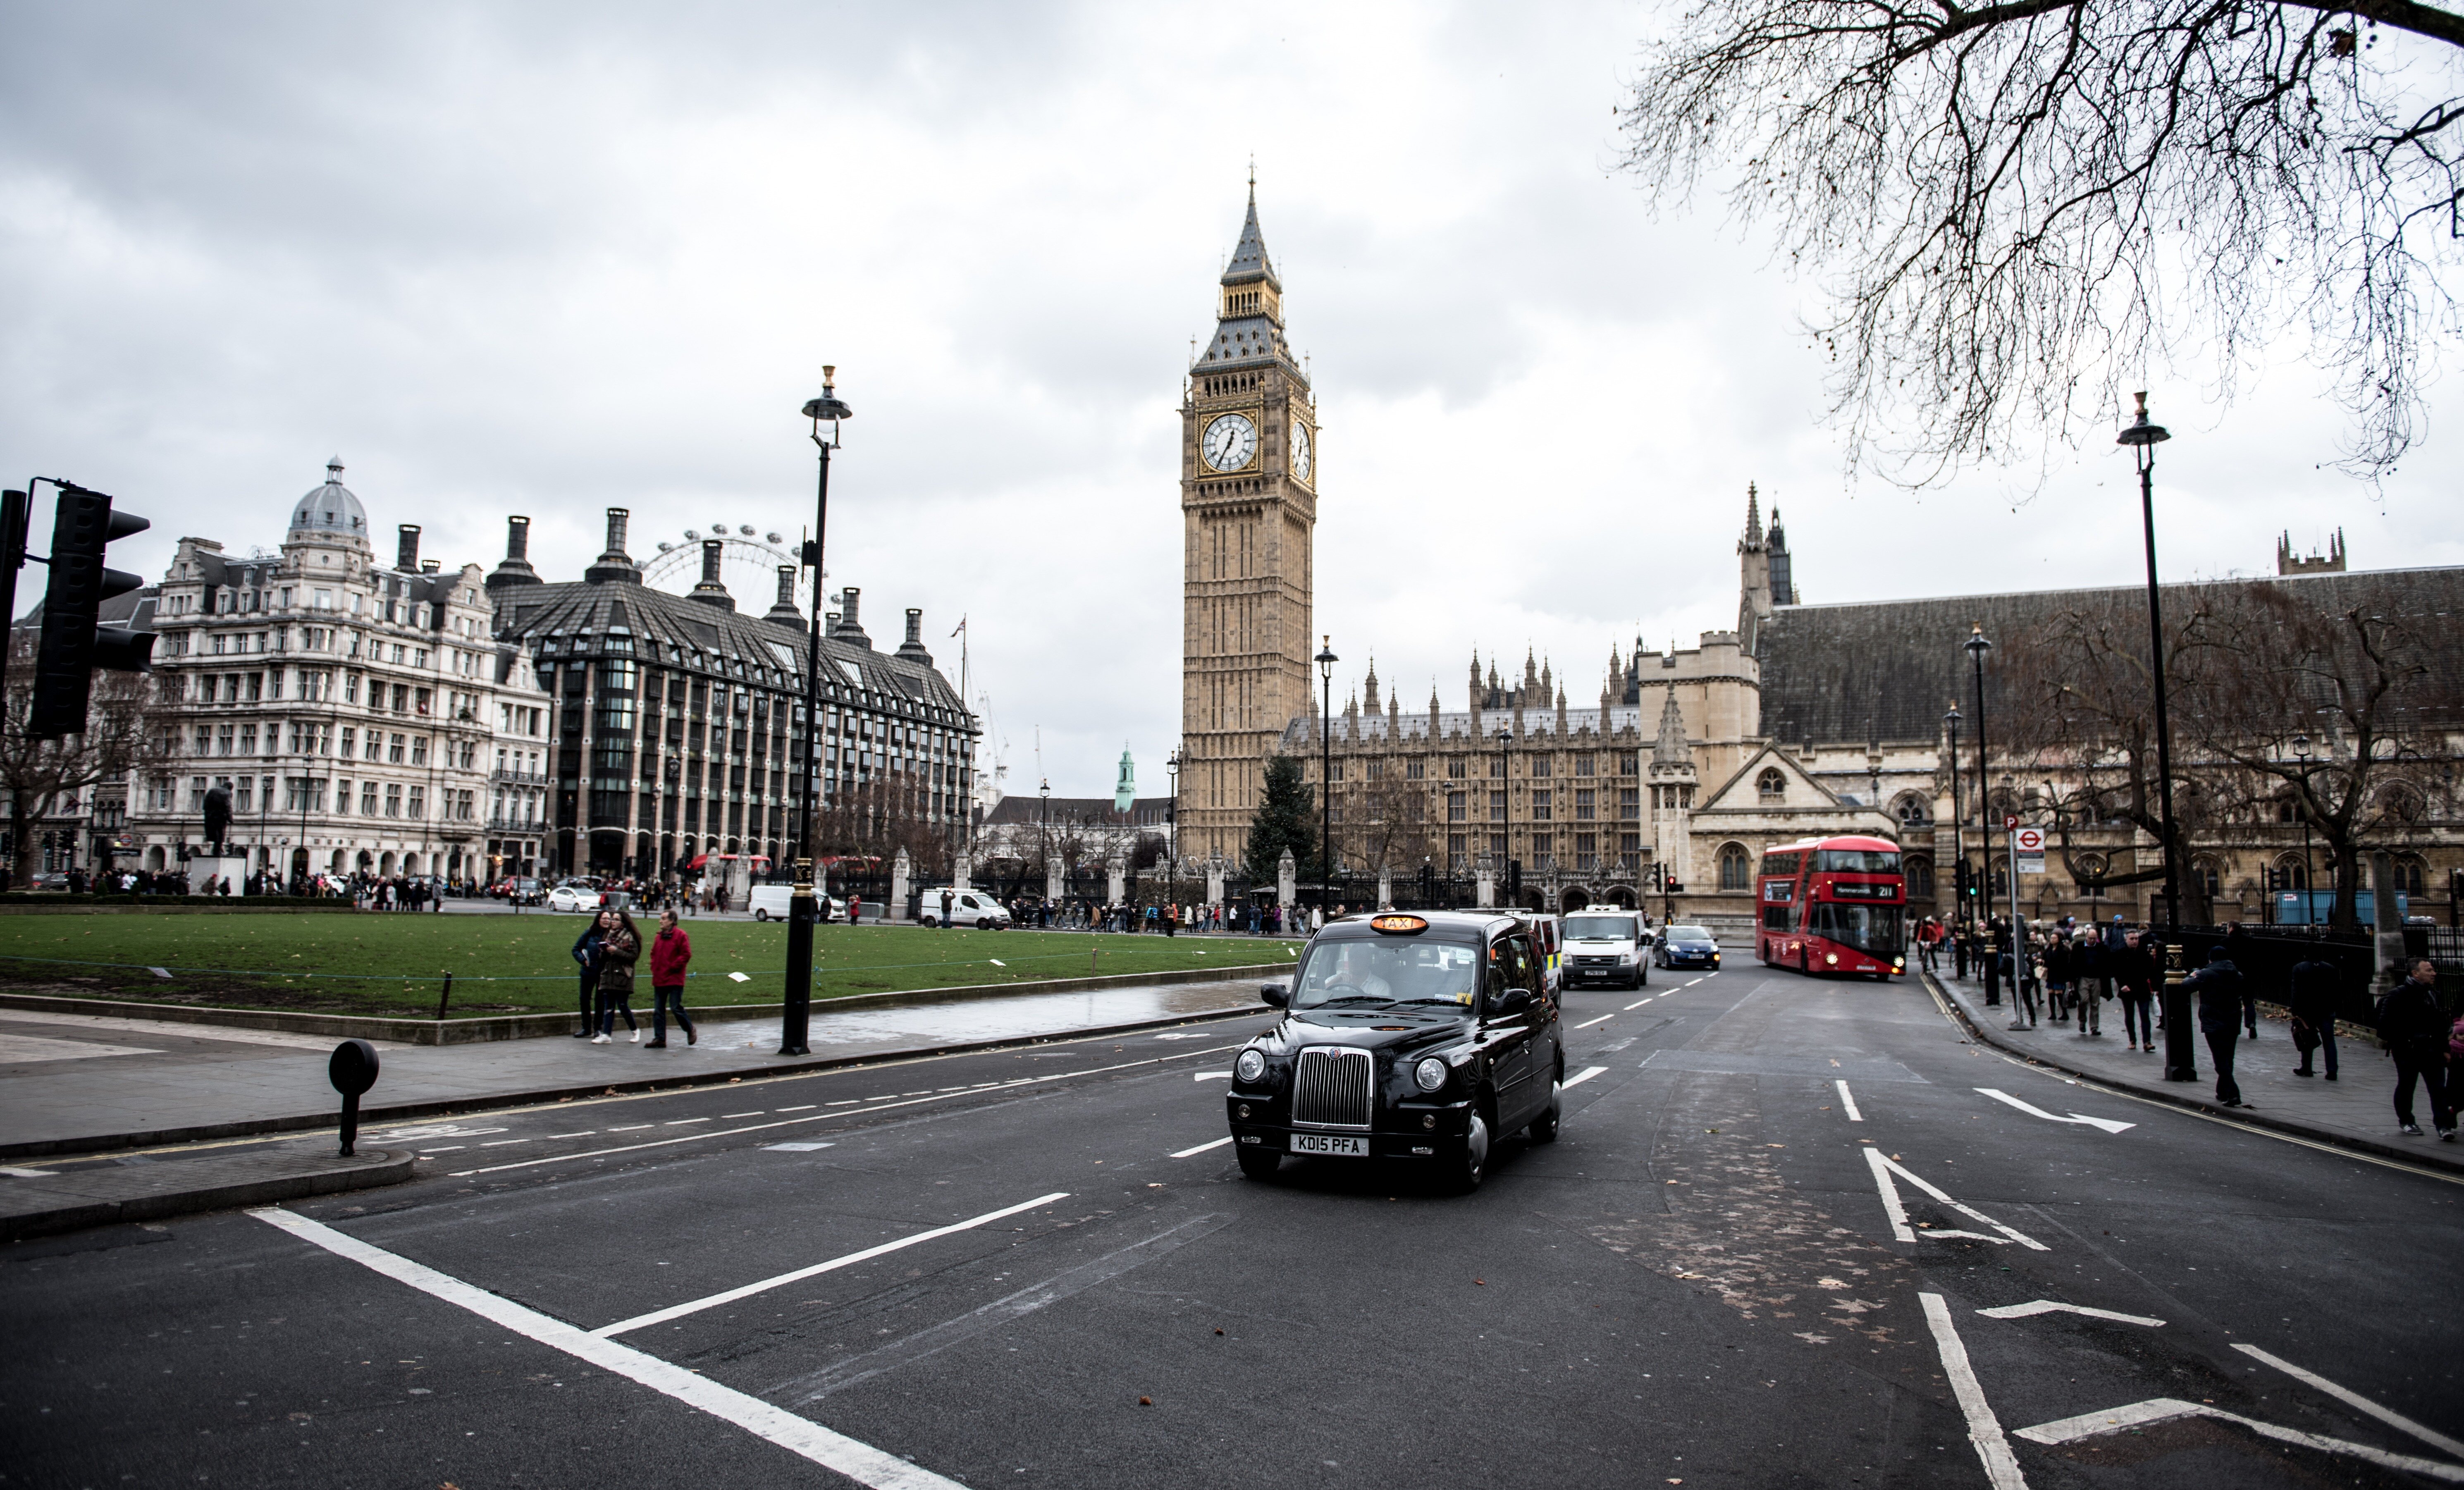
[1702, 1282]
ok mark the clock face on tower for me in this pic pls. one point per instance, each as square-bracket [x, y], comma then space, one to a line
[1228, 442]
[1302, 455]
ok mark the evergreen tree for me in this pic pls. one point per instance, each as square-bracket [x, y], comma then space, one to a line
[1287, 819]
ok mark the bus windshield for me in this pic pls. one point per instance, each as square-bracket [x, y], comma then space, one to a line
[1389, 971]
[1868, 929]
[1857, 861]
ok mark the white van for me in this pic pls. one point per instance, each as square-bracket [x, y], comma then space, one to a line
[967, 908]
[1606, 944]
[769, 903]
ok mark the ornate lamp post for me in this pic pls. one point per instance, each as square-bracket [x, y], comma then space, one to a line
[1977, 647]
[2309, 904]
[1506, 786]
[2142, 437]
[795, 1027]
[1171, 821]
[1326, 661]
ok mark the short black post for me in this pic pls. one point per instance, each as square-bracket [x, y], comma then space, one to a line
[444, 995]
[353, 1070]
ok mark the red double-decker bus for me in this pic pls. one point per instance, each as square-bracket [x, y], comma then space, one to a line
[1834, 905]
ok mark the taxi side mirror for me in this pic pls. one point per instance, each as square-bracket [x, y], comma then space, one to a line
[1277, 995]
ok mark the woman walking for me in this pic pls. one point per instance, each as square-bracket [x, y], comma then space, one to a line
[670, 950]
[619, 947]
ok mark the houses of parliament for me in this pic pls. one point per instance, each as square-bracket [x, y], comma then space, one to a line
[1795, 720]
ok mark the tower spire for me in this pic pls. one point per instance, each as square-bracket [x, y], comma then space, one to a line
[1753, 516]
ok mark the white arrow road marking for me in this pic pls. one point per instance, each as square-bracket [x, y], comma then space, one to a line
[2049, 1307]
[2109, 1125]
[1583, 1075]
[1850, 1103]
[1210, 1075]
[1984, 1429]
[859, 1461]
[1884, 1166]
[2159, 1410]
[1202, 1148]
[2356, 1401]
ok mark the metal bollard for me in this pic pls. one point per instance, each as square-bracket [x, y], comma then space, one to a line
[353, 1070]
[444, 995]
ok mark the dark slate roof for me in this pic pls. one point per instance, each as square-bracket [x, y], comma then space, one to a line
[1028, 812]
[1245, 338]
[1887, 670]
[549, 620]
[1249, 261]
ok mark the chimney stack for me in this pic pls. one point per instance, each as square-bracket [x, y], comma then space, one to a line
[913, 648]
[615, 565]
[713, 590]
[783, 610]
[517, 568]
[406, 552]
[850, 628]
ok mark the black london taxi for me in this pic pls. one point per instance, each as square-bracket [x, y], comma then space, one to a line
[1422, 1037]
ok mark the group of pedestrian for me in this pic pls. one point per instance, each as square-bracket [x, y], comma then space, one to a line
[608, 952]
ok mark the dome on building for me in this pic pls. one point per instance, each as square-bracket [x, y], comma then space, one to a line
[331, 507]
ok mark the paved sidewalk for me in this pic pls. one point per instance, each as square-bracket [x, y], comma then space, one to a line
[98, 1193]
[2356, 1111]
[80, 1082]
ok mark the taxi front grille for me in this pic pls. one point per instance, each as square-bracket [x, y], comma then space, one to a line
[1330, 1087]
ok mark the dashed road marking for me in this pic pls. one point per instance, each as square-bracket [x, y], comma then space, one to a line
[1215, 1143]
[1210, 1075]
[1584, 1075]
[1850, 1103]
[2049, 1307]
[1602, 1020]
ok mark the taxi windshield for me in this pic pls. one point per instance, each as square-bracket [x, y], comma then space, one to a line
[1387, 972]
[1600, 929]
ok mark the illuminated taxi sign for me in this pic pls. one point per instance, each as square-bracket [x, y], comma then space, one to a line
[1404, 926]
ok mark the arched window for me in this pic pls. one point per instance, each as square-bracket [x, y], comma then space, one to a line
[1920, 872]
[2409, 875]
[2210, 874]
[1772, 784]
[1913, 811]
[2291, 874]
[1736, 866]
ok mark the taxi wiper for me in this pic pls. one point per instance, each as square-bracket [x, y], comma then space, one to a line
[1450, 1003]
[1351, 998]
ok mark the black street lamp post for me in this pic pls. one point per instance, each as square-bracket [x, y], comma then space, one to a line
[796, 1025]
[1506, 790]
[2309, 888]
[2143, 438]
[1978, 646]
[1172, 822]
[1326, 661]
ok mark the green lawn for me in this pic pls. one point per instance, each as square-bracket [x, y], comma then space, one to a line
[395, 964]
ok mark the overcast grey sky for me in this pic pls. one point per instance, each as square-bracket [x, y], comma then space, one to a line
[549, 259]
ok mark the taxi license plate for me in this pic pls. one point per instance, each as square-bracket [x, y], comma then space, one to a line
[1330, 1143]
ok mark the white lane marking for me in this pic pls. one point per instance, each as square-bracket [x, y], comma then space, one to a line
[632, 1127]
[1602, 1020]
[2356, 1401]
[859, 1461]
[18, 1173]
[501, 1142]
[1583, 1076]
[1210, 1075]
[1202, 1148]
[685, 1122]
[2109, 1125]
[2161, 1409]
[2049, 1306]
[1984, 1430]
[587, 1132]
[914, 1099]
[1854, 1116]
[808, 1106]
[1637, 1004]
[1691, 981]
[797, 1147]
[764, 1285]
[1884, 1166]
[729, 1116]
[448, 1148]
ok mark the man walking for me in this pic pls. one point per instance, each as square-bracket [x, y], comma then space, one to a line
[2313, 996]
[2218, 987]
[2415, 1031]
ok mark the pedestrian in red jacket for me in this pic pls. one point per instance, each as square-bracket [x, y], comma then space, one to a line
[671, 953]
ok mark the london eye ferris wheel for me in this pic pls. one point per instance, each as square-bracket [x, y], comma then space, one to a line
[749, 563]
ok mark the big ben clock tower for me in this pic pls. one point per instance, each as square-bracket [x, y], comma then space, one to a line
[1248, 501]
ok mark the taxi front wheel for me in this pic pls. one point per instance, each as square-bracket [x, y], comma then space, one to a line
[1470, 1167]
[1544, 1127]
[1258, 1161]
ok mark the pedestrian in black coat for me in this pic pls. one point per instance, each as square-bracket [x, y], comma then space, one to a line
[2414, 1028]
[2219, 987]
[2315, 991]
[586, 951]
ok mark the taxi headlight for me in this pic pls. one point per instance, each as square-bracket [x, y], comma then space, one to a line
[1831, 957]
[1430, 1074]
[1249, 1067]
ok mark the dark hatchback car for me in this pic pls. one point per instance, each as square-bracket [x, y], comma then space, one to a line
[1415, 1037]
[1688, 947]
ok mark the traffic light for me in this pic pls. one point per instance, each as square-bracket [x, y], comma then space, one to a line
[1676, 888]
[74, 642]
[1659, 875]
